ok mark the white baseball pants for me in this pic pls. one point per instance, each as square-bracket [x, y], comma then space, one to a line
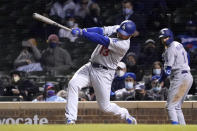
[179, 88]
[101, 80]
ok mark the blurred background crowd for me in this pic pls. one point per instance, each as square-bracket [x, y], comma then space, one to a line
[37, 60]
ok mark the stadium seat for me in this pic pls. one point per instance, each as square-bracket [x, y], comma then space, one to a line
[10, 98]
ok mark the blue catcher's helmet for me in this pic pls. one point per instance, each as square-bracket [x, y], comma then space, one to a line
[166, 32]
[127, 28]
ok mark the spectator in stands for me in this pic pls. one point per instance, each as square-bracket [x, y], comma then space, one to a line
[29, 57]
[141, 93]
[55, 58]
[91, 95]
[83, 96]
[119, 80]
[157, 92]
[62, 93]
[149, 53]
[132, 65]
[156, 70]
[59, 9]
[93, 19]
[82, 8]
[70, 22]
[148, 6]
[4, 82]
[23, 88]
[128, 92]
[155, 13]
[49, 94]
[128, 13]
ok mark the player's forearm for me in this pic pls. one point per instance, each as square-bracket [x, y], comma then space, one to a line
[36, 52]
[96, 38]
[20, 63]
[98, 30]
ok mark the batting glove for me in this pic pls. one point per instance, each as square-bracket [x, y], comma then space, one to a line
[76, 32]
[112, 93]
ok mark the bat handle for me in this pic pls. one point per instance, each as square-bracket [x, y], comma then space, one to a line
[63, 27]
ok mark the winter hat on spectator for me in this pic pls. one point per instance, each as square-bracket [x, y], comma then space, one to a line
[49, 86]
[140, 86]
[130, 74]
[149, 41]
[53, 38]
[70, 13]
[29, 42]
[15, 72]
[132, 54]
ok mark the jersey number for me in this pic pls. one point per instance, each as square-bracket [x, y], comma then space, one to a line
[104, 51]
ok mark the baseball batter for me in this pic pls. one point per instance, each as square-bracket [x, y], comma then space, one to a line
[99, 71]
[177, 68]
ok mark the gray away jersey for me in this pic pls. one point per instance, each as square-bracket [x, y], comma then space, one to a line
[116, 50]
[176, 57]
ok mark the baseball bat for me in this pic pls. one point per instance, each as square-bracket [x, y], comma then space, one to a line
[49, 21]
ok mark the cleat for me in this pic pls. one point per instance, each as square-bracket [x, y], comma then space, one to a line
[175, 123]
[69, 122]
[131, 120]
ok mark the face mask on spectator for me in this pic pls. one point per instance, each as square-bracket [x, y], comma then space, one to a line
[127, 11]
[50, 93]
[128, 85]
[52, 44]
[157, 88]
[16, 78]
[130, 63]
[120, 73]
[70, 23]
[149, 50]
[156, 71]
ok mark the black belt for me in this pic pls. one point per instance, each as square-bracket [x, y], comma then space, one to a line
[96, 65]
[184, 71]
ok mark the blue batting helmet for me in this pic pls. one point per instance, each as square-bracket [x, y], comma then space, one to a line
[166, 32]
[127, 28]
